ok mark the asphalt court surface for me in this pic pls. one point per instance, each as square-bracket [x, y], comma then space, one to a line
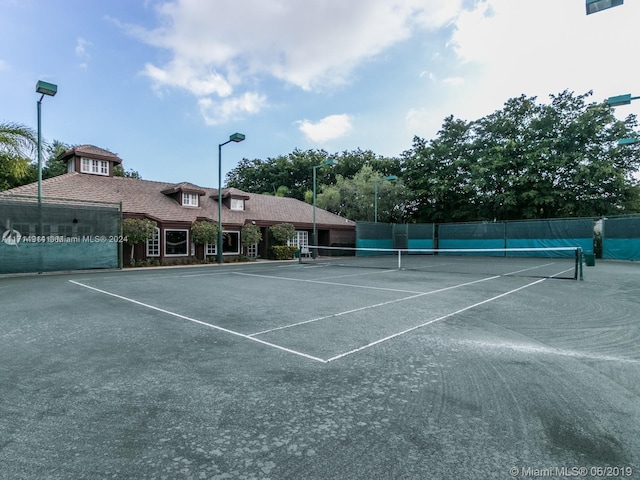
[282, 370]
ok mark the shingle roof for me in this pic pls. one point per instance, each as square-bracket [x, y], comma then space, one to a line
[145, 197]
[89, 151]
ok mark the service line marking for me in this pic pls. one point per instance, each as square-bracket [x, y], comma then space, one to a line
[430, 322]
[368, 307]
[199, 322]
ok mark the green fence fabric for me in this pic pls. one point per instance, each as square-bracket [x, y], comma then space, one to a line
[471, 235]
[621, 238]
[65, 235]
[551, 234]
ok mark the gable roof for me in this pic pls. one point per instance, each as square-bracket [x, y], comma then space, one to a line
[89, 151]
[148, 198]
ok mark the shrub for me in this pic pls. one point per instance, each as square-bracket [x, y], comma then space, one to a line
[283, 252]
[282, 233]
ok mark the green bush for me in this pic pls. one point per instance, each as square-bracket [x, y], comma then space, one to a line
[282, 233]
[283, 252]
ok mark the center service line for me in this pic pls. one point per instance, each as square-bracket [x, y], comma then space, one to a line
[367, 307]
[390, 337]
[199, 322]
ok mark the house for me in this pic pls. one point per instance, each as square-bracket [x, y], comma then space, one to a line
[175, 207]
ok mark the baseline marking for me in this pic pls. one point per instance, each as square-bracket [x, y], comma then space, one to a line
[430, 322]
[199, 322]
[360, 309]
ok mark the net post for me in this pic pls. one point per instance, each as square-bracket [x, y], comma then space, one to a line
[399, 259]
[578, 272]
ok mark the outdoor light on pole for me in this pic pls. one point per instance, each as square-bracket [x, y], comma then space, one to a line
[628, 141]
[390, 178]
[236, 137]
[594, 6]
[326, 163]
[45, 89]
[619, 100]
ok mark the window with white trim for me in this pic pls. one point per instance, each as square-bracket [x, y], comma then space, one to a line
[189, 200]
[230, 243]
[237, 204]
[153, 244]
[210, 249]
[176, 242]
[95, 167]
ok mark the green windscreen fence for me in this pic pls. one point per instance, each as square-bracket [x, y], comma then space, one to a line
[394, 235]
[621, 238]
[58, 235]
[548, 237]
[471, 235]
[576, 232]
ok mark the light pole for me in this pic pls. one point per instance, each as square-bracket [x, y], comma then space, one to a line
[45, 89]
[236, 137]
[594, 6]
[390, 178]
[327, 163]
[628, 141]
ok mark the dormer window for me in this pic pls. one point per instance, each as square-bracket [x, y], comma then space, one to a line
[189, 199]
[93, 166]
[237, 204]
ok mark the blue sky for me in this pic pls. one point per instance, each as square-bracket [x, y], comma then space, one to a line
[162, 83]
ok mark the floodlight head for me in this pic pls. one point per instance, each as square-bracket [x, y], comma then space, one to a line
[236, 137]
[330, 161]
[391, 178]
[619, 100]
[594, 6]
[46, 88]
[628, 141]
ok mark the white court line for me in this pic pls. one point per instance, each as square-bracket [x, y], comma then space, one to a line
[301, 280]
[339, 314]
[444, 317]
[199, 322]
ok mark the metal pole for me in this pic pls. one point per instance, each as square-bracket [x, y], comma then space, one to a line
[219, 242]
[40, 151]
[314, 253]
[375, 201]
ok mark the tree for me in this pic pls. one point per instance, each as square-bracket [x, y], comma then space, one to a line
[203, 232]
[118, 171]
[137, 230]
[353, 198]
[526, 160]
[282, 233]
[18, 144]
[250, 235]
[292, 175]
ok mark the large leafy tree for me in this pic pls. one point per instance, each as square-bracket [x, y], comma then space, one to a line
[354, 197]
[526, 160]
[292, 174]
[18, 145]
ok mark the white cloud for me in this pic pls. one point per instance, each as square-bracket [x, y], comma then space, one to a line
[328, 128]
[310, 45]
[81, 51]
[541, 48]
[3, 65]
[216, 113]
[453, 81]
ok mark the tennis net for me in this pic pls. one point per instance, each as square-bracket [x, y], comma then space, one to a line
[560, 262]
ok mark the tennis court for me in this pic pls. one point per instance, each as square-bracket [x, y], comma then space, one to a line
[287, 370]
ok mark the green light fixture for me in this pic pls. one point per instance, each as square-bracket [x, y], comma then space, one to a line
[594, 6]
